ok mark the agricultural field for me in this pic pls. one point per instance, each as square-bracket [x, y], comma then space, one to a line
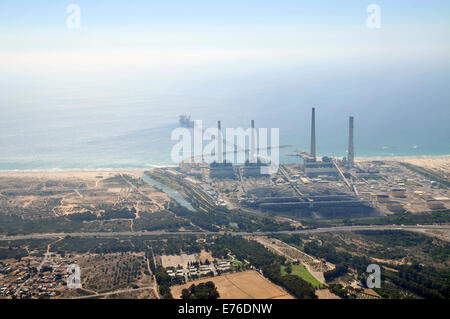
[245, 285]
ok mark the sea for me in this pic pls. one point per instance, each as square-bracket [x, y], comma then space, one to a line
[119, 119]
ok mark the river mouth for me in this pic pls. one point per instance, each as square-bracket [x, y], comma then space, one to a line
[169, 191]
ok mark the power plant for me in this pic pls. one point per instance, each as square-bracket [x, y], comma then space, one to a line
[317, 198]
[312, 166]
[317, 187]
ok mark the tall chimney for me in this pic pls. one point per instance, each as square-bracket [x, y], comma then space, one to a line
[252, 158]
[351, 148]
[219, 143]
[313, 134]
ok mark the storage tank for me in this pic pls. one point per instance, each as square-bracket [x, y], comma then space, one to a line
[398, 192]
[395, 206]
[435, 204]
[382, 198]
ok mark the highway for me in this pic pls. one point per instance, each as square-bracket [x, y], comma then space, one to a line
[158, 233]
[113, 293]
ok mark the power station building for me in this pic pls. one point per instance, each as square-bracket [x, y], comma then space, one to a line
[221, 170]
[319, 168]
[253, 169]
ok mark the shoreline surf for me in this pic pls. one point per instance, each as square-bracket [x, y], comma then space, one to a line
[151, 166]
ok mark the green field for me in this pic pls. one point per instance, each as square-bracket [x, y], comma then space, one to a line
[302, 272]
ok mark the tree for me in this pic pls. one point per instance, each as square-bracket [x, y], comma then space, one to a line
[288, 268]
[205, 290]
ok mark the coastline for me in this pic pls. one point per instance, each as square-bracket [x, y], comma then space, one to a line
[396, 158]
[76, 173]
[136, 170]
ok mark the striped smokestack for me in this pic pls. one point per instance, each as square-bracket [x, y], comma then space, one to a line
[219, 143]
[313, 134]
[351, 147]
[252, 158]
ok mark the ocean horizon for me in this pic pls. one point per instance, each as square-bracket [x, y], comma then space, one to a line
[91, 121]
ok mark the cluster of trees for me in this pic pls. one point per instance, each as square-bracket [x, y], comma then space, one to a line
[338, 290]
[394, 237]
[205, 290]
[10, 252]
[341, 269]
[98, 245]
[11, 224]
[327, 251]
[164, 282]
[203, 220]
[398, 244]
[108, 214]
[244, 249]
[405, 218]
[425, 281]
[295, 285]
[342, 259]
[160, 220]
[165, 292]
[177, 244]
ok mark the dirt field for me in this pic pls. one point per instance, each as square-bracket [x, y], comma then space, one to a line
[240, 285]
[175, 260]
[438, 164]
[325, 294]
[183, 259]
[204, 255]
[62, 193]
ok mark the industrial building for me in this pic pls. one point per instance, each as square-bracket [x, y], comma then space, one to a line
[314, 168]
[253, 169]
[435, 204]
[382, 198]
[398, 192]
[221, 170]
[395, 206]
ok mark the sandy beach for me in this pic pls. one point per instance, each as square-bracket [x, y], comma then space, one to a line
[438, 164]
[67, 174]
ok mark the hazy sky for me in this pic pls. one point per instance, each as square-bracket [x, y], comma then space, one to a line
[423, 26]
[171, 35]
[235, 60]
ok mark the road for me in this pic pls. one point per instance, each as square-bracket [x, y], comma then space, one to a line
[157, 233]
[113, 293]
